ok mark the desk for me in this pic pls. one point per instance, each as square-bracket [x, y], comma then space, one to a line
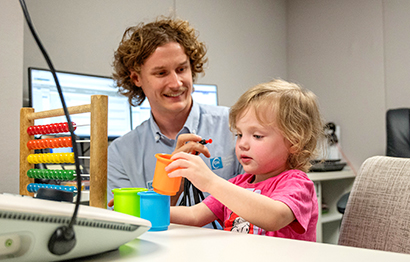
[183, 243]
[330, 186]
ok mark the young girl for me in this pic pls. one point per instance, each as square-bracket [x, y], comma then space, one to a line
[277, 125]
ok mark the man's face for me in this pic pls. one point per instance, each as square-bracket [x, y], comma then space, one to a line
[166, 80]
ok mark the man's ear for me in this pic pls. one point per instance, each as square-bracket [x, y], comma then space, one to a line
[136, 79]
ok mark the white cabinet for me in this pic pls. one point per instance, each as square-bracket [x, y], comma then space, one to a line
[330, 186]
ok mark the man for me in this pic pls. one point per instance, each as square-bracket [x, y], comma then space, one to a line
[160, 61]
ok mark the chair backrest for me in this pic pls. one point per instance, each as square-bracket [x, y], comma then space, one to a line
[378, 211]
[398, 132]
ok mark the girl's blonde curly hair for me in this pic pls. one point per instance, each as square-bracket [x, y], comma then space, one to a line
[295, 112]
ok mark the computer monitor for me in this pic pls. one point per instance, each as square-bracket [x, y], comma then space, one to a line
[203, 93]
[77, 90]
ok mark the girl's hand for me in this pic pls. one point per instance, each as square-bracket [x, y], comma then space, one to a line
[193, 168]
[189, 143]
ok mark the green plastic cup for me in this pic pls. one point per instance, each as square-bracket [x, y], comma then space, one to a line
[127, 200]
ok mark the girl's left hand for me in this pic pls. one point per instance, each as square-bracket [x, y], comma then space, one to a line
[193, 168]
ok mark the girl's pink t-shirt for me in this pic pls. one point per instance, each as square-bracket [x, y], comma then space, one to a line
[293, 188]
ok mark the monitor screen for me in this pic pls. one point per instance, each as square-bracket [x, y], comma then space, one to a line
[203, 93]
[77, 90]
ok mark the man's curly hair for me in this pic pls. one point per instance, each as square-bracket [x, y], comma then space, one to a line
[139, 42]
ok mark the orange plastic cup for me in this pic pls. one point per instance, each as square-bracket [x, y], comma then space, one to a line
[163, 184]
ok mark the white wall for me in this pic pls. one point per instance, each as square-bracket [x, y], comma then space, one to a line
[11, 73]
[397, 52]
[246, 44]
[354, 56]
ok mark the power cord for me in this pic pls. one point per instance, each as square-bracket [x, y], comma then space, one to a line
[63, 239]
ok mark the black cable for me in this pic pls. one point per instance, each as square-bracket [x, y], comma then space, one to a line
[63, 239]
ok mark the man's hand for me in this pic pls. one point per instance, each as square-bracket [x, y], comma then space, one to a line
[188, 143]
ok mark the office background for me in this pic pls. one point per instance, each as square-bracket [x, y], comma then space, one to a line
[354, 54]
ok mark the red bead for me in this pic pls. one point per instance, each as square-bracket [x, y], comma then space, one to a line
[48, 129]
[30, 130]
[53, 128]
[65, 125]
[36, 130]
[43, 129]
[60, 127]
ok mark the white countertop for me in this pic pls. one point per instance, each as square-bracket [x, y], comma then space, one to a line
[183, 243]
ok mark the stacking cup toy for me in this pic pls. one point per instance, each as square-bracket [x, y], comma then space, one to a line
[127, 200]
[156, 209]
[163, 184]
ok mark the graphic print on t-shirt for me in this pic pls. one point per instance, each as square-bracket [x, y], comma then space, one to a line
[236, 223]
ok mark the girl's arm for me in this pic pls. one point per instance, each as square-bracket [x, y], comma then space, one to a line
[258, 209]
[198, 215]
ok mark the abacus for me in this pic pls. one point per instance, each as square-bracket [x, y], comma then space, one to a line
[98, 109]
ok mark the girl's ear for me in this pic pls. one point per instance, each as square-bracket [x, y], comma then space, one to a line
[136, 78]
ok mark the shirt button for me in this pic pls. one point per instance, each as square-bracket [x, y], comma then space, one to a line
[157, 137]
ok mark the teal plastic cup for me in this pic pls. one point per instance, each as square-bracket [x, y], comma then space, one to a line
[156, 209]
[127, 200]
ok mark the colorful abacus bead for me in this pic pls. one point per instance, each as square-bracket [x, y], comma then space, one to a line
[31, 159]
[30, 144]
[50, 129]
[33, 187]
[51, 158]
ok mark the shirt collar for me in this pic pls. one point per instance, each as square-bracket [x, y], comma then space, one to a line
[191, 125]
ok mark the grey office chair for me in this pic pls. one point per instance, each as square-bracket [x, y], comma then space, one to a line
[377, 214]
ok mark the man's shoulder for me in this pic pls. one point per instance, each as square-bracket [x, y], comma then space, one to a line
[132, 136]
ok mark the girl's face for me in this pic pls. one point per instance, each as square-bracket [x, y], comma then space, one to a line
[262, 150]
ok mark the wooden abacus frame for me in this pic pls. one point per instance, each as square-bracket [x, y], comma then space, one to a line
[98, 145]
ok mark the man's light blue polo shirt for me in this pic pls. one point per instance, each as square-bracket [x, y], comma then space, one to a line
[131, 158]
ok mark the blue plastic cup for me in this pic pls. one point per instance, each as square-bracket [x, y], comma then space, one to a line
[155, 208]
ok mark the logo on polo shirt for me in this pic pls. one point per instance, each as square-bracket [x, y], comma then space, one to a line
[216, 163]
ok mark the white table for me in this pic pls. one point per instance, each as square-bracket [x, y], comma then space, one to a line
[183, 243]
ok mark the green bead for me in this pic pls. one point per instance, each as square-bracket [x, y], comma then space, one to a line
[55, 174]
[37, 173]
[60, 174]
[71, 174]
